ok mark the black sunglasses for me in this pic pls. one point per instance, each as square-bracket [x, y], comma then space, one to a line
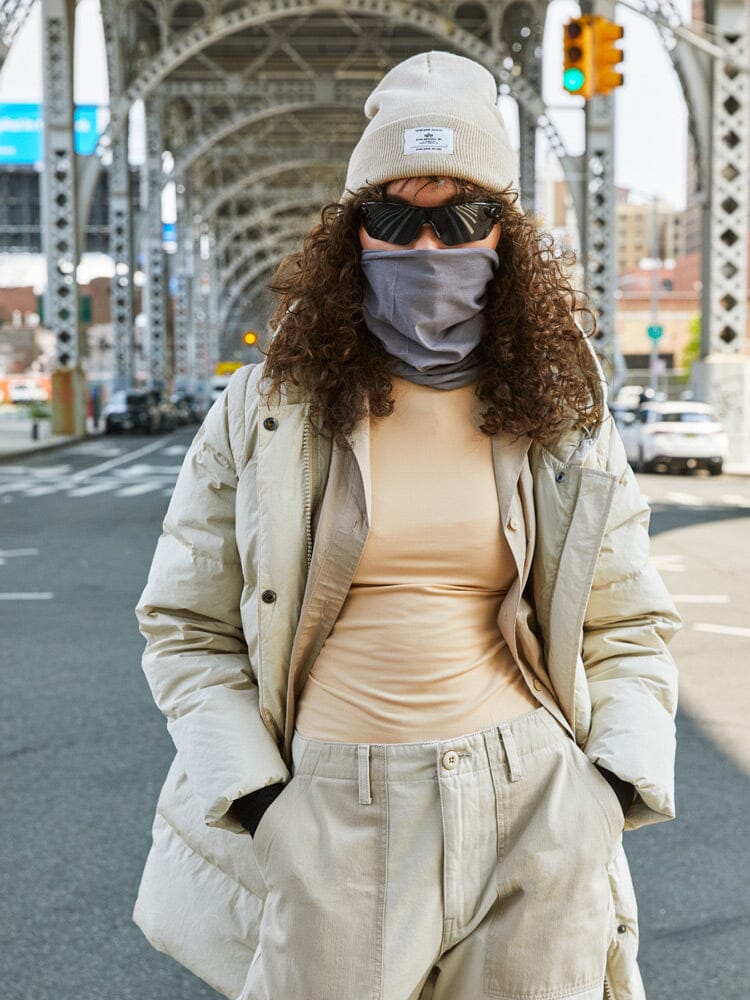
[396, 222]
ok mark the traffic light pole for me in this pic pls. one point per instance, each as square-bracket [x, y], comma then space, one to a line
[591, 71]
[598, 235]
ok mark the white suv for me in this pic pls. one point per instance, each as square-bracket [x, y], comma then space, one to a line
[686, 435]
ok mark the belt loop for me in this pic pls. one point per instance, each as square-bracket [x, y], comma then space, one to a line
[363, 759]
[511, 754]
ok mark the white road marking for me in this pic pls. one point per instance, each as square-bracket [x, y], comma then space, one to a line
[98, 448]
[120, 460]
[137, 488]
[27, 597]
[669, 563]
[742, 633]
[700, 598]
[19, 552]
[25, 470]
[688, 499]
[43, 491]
[142, 469]
[736, 500]
[100, 486]
[176, 449]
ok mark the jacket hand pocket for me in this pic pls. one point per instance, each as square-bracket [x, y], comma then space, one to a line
[265, 831]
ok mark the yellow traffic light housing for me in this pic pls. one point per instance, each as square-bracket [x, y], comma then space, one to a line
[606, 55]
[578, 57]
[250, 338]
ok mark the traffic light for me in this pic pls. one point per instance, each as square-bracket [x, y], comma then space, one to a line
[250, 338]
[578, 72]
[606, 55]
[591, 56]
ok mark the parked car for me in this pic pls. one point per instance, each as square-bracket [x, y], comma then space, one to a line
[187, 408]
[133, 410]
[624, 414]
[684, 435]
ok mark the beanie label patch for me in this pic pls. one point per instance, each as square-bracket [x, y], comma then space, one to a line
[428, 140]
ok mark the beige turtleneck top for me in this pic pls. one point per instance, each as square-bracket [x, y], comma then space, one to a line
[416, 653]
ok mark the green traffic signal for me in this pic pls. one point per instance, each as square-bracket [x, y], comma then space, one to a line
[573, 80]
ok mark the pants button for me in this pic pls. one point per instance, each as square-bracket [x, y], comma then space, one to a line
[450, 760]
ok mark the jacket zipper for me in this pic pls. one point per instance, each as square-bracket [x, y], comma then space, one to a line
[308, 487]
[607, 991]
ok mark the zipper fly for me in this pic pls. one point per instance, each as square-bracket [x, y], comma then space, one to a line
[308, 486]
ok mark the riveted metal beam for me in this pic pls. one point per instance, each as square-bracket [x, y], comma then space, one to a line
[155, 288]
[59, 230]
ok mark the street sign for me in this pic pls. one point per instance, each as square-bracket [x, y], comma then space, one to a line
[655, 332]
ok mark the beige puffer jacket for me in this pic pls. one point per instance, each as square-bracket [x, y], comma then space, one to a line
[220, 612]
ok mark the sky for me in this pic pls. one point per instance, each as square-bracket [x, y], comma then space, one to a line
[650, 139]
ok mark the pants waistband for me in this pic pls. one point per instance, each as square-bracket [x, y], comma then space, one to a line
[363, 762]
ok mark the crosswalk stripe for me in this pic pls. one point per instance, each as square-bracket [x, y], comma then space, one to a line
[42, 491]
[700, 598]
[137, 489]
[98, 487]
[41, 596]
[736, 630]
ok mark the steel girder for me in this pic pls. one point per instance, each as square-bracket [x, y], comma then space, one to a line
[286, 232]
[59, 229]
[120, 220]
[182, 280]
[730, 208]
[155, 288]
[289, 199]
[13, 13]
[265, 261]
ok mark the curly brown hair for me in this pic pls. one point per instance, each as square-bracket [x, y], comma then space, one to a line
[538, 375]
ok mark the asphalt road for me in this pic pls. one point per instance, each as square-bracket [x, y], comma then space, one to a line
[84, 751]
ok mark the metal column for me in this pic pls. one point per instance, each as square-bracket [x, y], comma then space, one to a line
[59, 228]
[155, 288]
[121, 250]
[184, 346]
[730, 218]
[120, 215]
[598, 233]
[723, 376]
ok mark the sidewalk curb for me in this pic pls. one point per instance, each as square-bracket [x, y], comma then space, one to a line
[11, 456]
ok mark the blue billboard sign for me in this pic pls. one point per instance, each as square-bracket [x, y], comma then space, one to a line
[21, 131]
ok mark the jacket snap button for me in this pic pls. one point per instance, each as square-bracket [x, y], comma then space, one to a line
[621, 928]
[560, 477]
[513, 524]
[270, 423]
[537, 684]
[450, 760]
[268, 596]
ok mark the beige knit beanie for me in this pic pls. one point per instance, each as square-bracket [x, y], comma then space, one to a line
[434, 114]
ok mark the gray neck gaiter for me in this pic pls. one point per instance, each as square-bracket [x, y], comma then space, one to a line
[425, 307]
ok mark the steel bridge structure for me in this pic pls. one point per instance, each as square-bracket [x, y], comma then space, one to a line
[252, 108]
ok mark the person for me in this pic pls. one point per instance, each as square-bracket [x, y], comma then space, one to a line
[401, 618]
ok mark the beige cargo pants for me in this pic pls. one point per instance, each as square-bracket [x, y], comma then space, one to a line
[467, 868]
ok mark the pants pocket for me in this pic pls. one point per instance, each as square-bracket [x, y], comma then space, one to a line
[551, 924]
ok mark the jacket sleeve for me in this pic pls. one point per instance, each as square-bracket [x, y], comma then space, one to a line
[196, 658]
[632, 678]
